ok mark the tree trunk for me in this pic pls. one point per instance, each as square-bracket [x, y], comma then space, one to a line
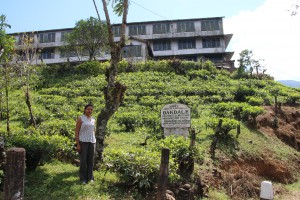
[1, 105]
[114, 91]
[6, 96]
[113, 97]
[28, 103]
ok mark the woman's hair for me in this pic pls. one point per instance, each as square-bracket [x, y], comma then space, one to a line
[86, 106]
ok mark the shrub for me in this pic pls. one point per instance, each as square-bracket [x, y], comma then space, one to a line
[293, 98]
[40, 148]
[242, 92]
[130, 120]
[58, 127]
[236, 110]
[227, 125]
[255, 100]
[93, 68]
[202, 74]
[135, 166]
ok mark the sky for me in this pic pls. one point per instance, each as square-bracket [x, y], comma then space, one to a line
[264, 26]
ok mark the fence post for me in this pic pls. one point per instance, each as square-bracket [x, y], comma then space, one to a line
[163, 174]
[14, 174]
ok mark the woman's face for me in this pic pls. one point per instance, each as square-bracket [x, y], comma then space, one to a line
[88, 110]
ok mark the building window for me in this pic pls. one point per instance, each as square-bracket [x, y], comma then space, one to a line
[46, 37]
[211, 42]
[23, 56]
[186, 44]
[185, 27]
[162, 45]
[137, 30]
[67, 54]
[47, 54]
[25, 39]
[161, 28]
[116, 31]
[64, 35]
[210, 25]
[132, 51]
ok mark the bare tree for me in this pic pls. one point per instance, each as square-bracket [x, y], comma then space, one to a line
[27, 55]
[114, 91]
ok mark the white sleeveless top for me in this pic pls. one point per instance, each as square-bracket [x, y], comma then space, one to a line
[87, 130]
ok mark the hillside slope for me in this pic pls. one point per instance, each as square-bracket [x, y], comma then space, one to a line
[134, 136]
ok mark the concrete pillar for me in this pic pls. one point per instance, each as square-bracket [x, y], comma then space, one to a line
[266, 190]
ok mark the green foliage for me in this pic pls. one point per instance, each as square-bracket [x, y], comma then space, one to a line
[227, 125]
[202, 74]
[88, 38]
[40, 148]
[179, 148]
[92, 68]
[237, 110]
[242, 92]
[138, 116]
[293, 98]
[136, 167]
[6, 42]
[255, 100]
[58, 127]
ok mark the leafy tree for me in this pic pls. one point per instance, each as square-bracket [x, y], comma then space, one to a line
[114, 90]
[247, 64]
[6, 55]
[88, 36]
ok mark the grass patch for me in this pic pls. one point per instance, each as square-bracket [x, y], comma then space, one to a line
[58, 180]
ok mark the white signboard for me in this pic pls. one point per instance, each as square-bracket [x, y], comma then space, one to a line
[175, 116]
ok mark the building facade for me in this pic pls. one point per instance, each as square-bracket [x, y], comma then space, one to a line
[189, 39]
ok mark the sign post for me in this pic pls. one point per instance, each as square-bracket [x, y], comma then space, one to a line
[176, 119]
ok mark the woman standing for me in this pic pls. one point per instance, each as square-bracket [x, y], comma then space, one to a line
[86, 144]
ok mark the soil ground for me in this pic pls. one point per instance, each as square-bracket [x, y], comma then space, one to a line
[241, 177]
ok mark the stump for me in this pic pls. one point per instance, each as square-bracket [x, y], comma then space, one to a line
[14, 174]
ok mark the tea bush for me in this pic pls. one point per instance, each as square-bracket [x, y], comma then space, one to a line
[92, 68]
[137, 167]
[40, 148]
[227, 125]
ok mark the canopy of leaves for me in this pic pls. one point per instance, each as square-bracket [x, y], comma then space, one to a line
[6, 42]
[88, 37]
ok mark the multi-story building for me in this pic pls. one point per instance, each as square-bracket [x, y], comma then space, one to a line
[190, 39]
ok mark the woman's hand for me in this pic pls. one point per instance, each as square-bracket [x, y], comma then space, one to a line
[78, 148]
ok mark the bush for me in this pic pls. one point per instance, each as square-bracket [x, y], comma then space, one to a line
[93, 68]
[237, 110]
[135, 166]
[227, 125]
[293, 98]
[58, 127]
[242, 92]
[202, 74]
[40, 148]
[179, 148]
[255, 101]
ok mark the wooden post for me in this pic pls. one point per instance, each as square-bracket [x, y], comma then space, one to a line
[238, 130]
[14, 174]
[163, 174]
[193, 138]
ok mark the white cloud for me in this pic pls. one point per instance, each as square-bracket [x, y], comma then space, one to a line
[272, 34]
